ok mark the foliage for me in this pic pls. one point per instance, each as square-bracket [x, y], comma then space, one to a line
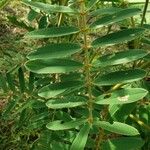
[84, 84]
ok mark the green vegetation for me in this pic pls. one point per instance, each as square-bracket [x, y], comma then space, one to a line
[75, 75]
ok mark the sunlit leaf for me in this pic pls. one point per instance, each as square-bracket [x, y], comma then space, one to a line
[55, 89]
[66, 102]
[45, 66]
[55, 51]
[52, 32]
[49, 8]
[91, 4]
[60, 125]
[122, 96]
[117, 127]
[81, 138]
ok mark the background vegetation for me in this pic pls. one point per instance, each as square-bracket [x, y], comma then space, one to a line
[74, 74]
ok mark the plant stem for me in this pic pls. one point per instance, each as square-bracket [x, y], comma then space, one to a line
[86, 47]
[144, 12]
[142, 124]
[99, 139]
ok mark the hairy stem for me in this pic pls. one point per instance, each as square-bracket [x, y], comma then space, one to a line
[86, 47]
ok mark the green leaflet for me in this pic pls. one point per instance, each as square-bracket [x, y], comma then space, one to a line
[116, 17]
[114, 108]
[45, 66]
[55, 89]
[120, 77]
[21, 80]
[49, 8]
[81, 138]
[117, 127]
[105, 11]
[123, 143]
[120, 57]
[54, 51]
[60, 125]
[91, 4]
[52, 32]
[118, 37]
[10, 82]
[66, 102]
[122, 96]
[71, 76]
